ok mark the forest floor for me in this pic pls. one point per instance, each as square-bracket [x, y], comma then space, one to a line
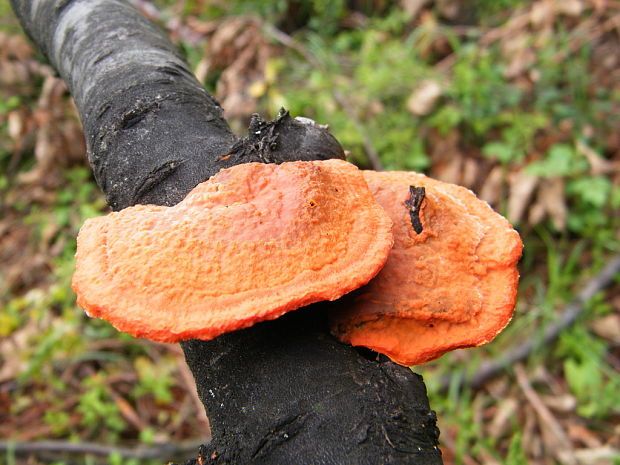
[517, 100]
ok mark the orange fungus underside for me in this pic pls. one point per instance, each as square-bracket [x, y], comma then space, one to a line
[248, 245]
[451, 286]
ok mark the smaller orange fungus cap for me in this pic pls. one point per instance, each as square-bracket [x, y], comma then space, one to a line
[251, 243]
[450, 281]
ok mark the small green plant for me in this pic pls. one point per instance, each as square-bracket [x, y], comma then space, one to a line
[155, 380]
[117, 459]
[562, 160]
[517, 136]
[58, 420]
[591, 380]
[100, 415]
[516, 455]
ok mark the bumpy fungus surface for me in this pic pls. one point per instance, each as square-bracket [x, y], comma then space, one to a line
[250, 244]
[453, 285]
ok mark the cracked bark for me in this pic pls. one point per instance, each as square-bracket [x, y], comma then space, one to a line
[281, 392]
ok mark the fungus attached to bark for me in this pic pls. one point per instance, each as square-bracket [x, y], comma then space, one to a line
[450, 281]
[248, 245]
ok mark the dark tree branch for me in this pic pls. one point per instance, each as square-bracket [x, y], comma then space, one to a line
[282, 392]
[301, 397]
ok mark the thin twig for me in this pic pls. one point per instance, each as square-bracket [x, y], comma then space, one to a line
[160, 451]
[563, 449]
[520, 353]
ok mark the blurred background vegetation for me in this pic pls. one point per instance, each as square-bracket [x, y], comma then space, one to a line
[517, 100]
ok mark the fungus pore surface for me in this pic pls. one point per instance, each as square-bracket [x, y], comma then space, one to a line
[249, 244]
[453, 285]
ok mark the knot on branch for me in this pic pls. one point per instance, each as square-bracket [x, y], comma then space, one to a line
[284, 139]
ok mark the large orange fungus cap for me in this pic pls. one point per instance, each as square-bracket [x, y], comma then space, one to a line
[452, 284]
[249, 244]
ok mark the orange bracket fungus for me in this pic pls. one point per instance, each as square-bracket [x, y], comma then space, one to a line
[251, 243]
[450, 281]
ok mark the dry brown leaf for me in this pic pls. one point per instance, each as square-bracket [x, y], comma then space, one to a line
[23, 265]
[569, 7]
[449, 9]
[423, 99]
[598, 456]
[498, 388]
[582, 435]
[563, 403]
[471, 172]
[450, 164]
[491, 190]
[598, 165]
[553, 197]
[554, 437]
[52, 93]
[447, 157]
[59, 139]
[520, 62]
[16, 122]
[237, 48]
[550, 202]
[74, 143]
[451, 170]
[521, 188]
[519, 54]
[13, 73]
[500, 423]
[30, 427]
[607, 327]
[413, 7]
[202, 69]
[204, 28]
[14, 47]
[542, 13]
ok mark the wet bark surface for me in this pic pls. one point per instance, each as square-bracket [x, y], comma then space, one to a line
[281, 392]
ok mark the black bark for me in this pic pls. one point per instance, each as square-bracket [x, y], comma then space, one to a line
[281, 392]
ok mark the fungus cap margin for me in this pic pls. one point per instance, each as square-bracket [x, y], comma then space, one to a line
[452, 286]
[251, 243]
